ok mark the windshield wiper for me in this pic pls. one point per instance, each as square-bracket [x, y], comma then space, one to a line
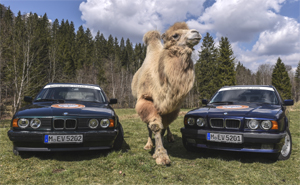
[58, 100]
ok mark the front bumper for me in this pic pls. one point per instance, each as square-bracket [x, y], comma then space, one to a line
[252, 142]
[34, 140]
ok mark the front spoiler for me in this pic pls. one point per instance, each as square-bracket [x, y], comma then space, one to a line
[248, 139]
[34, 140]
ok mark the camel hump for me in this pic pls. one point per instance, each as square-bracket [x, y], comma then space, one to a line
[151, 36]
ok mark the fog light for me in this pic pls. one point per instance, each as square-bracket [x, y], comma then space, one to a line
[191, 121]
[104, 123]
[253, 124]
[267, 146]
[35, 123]
[200, 122]
[93, 123]
[23, 123]
[266, 125]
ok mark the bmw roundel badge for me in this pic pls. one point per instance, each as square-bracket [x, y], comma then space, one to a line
[225, 113]
[65, 113]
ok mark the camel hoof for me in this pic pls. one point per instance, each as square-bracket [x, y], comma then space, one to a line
[148, 147]
[163, 159]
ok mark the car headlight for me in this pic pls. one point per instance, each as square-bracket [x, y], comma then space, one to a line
[191, 121]
[200, 122]
[35, 123]
[23, 123]
[104, 123]
[266, 125]
[253, 124]
[93, 123]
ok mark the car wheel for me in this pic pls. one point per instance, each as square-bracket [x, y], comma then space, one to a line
[286, 149]
[188, 147]
[120, 138]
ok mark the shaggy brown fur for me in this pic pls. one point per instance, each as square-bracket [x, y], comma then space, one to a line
[163, 81]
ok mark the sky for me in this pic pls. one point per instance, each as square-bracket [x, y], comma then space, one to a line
[259, 31]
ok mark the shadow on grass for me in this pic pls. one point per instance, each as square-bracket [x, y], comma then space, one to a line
[177, 149]
[72, 155]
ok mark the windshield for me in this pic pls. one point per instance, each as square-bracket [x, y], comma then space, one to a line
[245, 95]
[72, 94]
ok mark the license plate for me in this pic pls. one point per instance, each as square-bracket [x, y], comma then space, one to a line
[63, 139]
[226, 138]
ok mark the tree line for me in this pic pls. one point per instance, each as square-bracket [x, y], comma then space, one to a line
[35, 51]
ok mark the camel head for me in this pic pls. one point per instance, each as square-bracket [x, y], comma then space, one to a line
[180, 35]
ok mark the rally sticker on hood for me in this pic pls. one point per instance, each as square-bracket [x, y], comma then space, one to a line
[232, 107]
[68, 106]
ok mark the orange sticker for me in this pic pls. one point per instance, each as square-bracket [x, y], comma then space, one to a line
[68, 106]
[232, 107]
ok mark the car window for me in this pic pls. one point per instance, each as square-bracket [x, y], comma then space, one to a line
[71, 93]
[246, 95]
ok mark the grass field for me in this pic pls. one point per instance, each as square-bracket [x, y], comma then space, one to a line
[134, 165]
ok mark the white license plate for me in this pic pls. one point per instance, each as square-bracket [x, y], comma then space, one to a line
[226, 138]
[63, 139]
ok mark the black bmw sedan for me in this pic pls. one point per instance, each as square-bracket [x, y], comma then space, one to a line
[66, 117]
[242, 119]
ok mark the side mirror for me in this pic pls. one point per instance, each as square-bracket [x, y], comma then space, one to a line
[288, 102]
[113, 101]
[204, 102]
[28, 99]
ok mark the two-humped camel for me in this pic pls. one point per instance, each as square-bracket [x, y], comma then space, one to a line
[163, 81]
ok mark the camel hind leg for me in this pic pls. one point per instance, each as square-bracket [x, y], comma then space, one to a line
[146, 110]
[149, 144]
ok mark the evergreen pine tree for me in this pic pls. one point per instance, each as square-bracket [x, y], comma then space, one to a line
[206, 68]
[281, 80]
[297, 82]
[226, 72]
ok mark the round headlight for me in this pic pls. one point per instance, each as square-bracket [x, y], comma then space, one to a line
[93, 123]
[35, 123]
[23, 123]
[266, 125]
[253, 124]
[104, 123]
[191, 121]
[200, 122]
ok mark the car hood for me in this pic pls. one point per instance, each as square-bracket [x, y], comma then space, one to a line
[49, 109]
[241, 110]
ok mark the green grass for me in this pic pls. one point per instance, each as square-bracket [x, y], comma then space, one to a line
[134, 165]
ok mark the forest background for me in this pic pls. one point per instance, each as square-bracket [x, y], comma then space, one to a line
[34, 52]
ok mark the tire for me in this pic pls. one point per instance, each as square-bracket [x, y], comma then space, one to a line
[188, 147]
[119, 140]
[286, 150]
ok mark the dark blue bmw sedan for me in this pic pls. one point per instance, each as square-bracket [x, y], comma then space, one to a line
[241, 118]
[66, 117]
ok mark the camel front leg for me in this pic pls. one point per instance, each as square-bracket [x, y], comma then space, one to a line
[149, 144]
[160, 153]
[148, 113]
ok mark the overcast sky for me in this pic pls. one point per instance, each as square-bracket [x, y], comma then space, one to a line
[260, 31]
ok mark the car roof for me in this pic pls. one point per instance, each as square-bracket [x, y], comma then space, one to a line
[72, 85]
[262, 87]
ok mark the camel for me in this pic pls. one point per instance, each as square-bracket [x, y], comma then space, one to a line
[162, 82]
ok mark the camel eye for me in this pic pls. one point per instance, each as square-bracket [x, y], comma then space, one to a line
[175, 36]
